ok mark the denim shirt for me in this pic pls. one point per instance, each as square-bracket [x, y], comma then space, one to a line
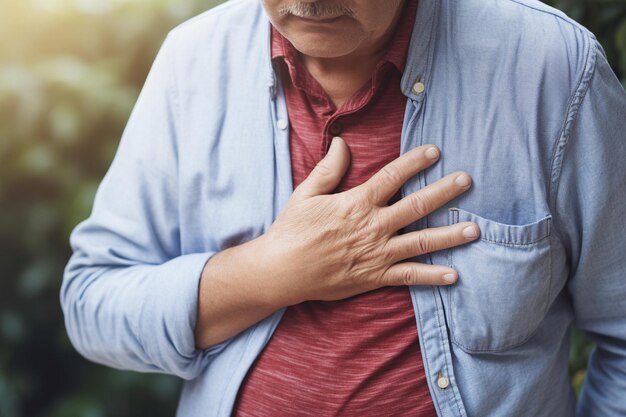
[516, 94]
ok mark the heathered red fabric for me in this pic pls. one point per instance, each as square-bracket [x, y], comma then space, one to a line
[359, 356]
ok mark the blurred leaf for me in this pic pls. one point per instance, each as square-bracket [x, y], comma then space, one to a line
[11, 326]
[36, 278]
[8, 404]
[578, 380]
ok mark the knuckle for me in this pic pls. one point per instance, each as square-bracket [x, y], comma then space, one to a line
[387, 254]
[376, 226]
[350, 207]
[421, 275]
[423, 243]
[392, 174]
[408, 276]
[361, 276]
[323, 170]
[419, 204]
[358, 209]
[365, 192]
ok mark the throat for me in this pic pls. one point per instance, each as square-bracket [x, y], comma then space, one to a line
[340, 90]
[341, 82]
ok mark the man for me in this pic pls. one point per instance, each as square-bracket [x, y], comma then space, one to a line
[233, 246]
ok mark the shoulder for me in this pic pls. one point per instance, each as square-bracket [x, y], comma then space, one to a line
[551, 29]
[527, 32]
[229, 25]
[564, 45]
[228, 16]
[228, 39]
[527, 27]
[528, 15]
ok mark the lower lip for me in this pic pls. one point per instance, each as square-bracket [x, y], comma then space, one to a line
[320, 21]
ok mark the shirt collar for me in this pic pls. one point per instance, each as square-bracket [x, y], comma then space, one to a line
[418, 61]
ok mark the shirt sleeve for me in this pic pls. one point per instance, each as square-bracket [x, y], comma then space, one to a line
[591, 216]
[128, 295]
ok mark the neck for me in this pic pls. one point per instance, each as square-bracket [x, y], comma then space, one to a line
[342, 76]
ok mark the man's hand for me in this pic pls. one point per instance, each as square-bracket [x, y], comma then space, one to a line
[326, 246]
[332, 246]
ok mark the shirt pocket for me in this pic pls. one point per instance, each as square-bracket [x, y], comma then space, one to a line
[502, 292]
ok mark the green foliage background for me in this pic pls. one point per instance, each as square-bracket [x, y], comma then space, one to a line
[70, 72]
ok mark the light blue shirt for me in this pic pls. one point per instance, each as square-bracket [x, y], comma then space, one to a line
[516, 94]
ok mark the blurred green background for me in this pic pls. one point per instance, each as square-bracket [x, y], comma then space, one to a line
[70, 72]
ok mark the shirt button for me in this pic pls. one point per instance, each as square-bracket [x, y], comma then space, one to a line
[419, 87]
[442, 381]
[282, 124]
[336, 128]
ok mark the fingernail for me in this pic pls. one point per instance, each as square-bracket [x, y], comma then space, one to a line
[449, 278]
[432, 153]
[470, 232]
[333, 143]
[462, 180]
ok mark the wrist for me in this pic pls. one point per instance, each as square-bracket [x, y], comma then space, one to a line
[271, 279]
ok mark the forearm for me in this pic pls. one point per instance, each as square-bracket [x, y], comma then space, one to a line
[234, 293]
[137, 317]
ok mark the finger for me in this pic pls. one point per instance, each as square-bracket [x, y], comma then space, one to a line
[430, 240]
[424, 201]
[386, 182]
[413, 273]
[328, 172]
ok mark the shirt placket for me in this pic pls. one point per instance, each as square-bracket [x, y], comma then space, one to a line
[427, 303]
[333, 127]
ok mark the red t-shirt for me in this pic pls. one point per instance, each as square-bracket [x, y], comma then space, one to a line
[361, 355]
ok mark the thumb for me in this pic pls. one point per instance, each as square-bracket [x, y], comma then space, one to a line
[328, 172]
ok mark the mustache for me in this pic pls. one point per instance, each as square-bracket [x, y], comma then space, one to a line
[316, 10]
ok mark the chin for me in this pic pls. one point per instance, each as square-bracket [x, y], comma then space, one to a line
[322, 46]
[318, 51]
